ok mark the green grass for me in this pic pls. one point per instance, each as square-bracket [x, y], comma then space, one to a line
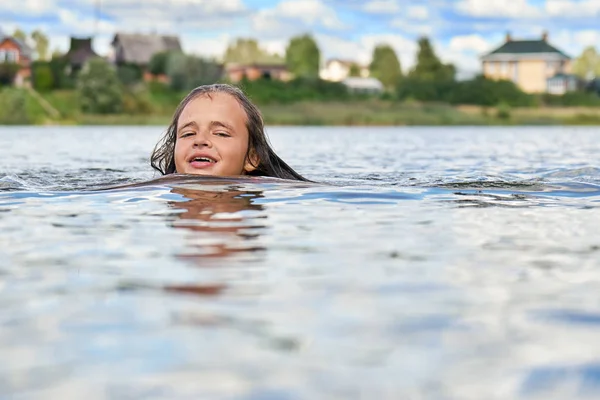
[366, 112]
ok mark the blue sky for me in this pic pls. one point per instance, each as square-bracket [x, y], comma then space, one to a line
[461, 30]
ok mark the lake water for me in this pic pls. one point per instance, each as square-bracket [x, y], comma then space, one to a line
[427, 263]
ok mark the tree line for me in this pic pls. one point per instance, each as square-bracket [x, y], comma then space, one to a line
[112, 89]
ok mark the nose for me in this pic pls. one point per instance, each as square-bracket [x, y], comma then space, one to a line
[202, 140]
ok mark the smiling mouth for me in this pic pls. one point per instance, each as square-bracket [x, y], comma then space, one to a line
[203, 160]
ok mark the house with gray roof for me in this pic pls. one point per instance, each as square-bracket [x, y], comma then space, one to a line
[15, 51]
[138, 49]
[530, 64]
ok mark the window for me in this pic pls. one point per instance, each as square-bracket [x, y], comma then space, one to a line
[8, 56]
[504, 68]
[11, 56]
[515, 72]
[492, 67]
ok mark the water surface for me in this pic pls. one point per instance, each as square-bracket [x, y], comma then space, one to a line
[424, 263]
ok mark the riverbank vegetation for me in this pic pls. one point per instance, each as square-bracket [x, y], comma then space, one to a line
[428, 94]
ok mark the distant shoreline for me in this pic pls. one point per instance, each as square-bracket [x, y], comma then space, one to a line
[378, 113]
[62, 108]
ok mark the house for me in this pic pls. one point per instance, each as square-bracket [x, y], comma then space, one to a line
[358, 85]
[237, 72]
[561, 83]
[528, 63]
[15, 51]
[138, 49]
[79, 53]
[336, 70]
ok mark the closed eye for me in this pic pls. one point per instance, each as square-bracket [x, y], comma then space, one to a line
[222, 134]
[186, 134]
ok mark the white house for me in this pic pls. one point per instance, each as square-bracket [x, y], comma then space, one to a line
[337, 70]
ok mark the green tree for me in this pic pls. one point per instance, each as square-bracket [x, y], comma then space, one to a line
[385, 66]
[129, 74]
[19, 34]
[354, 70]
[428, 66]
[41, 44]
[158, 63]
[587, 65]
[187, 72]
[248, 51]
[8, 73]
[302, 57]
[43, 78]
[99, 89]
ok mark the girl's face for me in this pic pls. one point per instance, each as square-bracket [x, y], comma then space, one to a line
[212, 138]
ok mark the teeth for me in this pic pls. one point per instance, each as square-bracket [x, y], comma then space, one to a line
[203, 159]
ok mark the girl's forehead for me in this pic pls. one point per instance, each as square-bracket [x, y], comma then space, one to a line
[213, 106]
[213, 103]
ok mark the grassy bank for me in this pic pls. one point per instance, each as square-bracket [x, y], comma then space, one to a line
[25, 109]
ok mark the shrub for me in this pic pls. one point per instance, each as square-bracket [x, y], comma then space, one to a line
[187, 72]
[158, 63]
[570, 99]
[13, 107]
[8, 72]
[503, 111]
[266, 91]
[487, 92]
[62, 80]
[129, 74]
[99, 89]
[43, 79]
[137, 101]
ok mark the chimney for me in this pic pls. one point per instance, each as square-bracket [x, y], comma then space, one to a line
[508, 37]
[545, 36]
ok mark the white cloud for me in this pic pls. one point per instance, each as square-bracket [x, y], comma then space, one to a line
[418, 12]
[466, 65]
[573, 42]
[469, 43]
[335, 47]
[75, 22]
[569, 8]
[405, 48]
[27, 7]
[211, 47]
[296, 15]
[361, 50]
[498, 8]
[382, 7]
[277, 46]
[423, 29]
[464, 51]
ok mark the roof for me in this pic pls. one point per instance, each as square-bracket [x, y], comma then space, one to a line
[80, 51]
[24, 47]
[527, 47]
[139, 49]
[363, 83]
[564, 76]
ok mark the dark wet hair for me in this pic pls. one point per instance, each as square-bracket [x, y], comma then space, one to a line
[269, 163]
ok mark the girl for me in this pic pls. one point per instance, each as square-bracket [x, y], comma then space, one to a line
[217, 131]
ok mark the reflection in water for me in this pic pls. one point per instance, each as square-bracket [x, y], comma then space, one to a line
[222, 224]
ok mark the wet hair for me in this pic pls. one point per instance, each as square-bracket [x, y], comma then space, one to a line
[269, 163]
